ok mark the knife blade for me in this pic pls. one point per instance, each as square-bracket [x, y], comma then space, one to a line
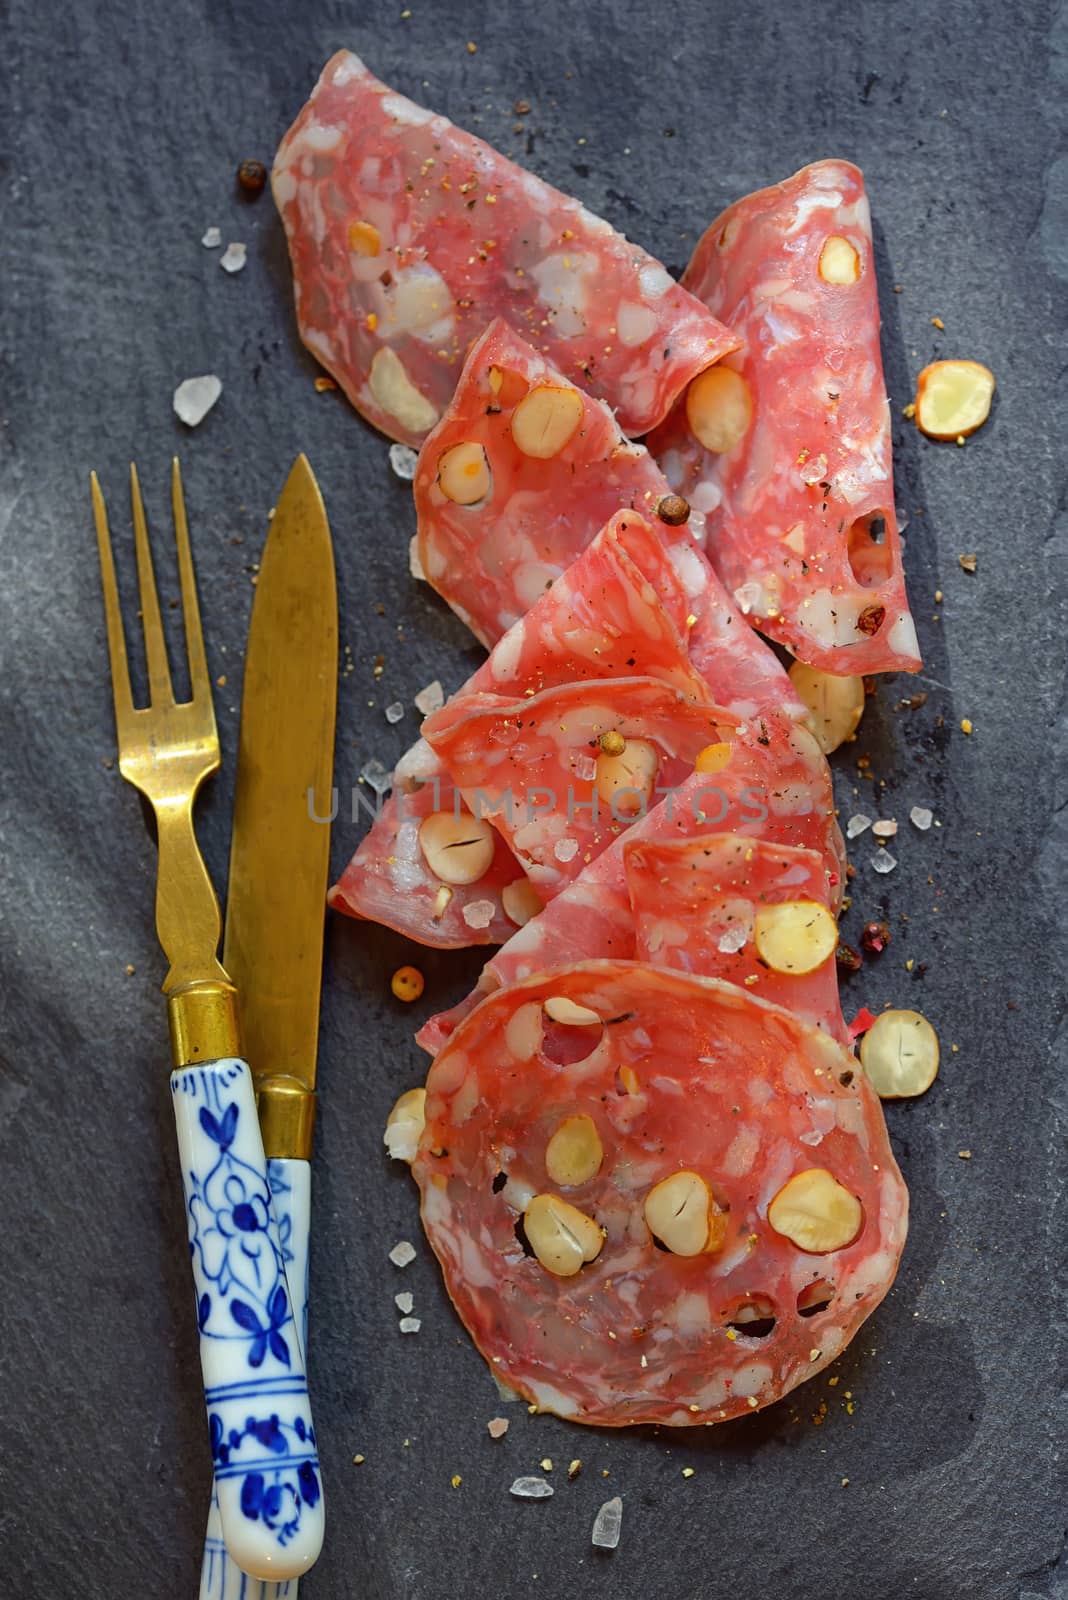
[280, 849]
[279, 867]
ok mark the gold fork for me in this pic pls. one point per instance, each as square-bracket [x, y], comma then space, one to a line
[263, 1442]
[167, 750]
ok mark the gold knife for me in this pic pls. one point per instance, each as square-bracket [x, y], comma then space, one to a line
[279, 870]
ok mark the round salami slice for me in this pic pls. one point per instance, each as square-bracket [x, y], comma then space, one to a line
[756, 914]
[787, 448]
[655, 1198]
[408, 236]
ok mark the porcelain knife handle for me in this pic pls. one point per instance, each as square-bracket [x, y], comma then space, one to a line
[290, 1183]
[251, 1353]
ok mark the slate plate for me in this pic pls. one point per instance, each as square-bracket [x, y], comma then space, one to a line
[120, 136]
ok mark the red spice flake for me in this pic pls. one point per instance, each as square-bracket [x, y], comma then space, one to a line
[860, 1023]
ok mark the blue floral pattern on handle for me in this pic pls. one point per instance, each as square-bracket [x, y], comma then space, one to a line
[262, 1438]
[220, 1579]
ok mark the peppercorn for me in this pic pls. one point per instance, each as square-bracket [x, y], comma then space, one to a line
[407, 983]
[673, 509]
[848, 959]
[875, 937]
[252, 177]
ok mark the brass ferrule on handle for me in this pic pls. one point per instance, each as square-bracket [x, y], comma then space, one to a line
[203, 1022]
[286, 1108]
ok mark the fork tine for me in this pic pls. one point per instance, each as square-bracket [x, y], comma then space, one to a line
[159, 673]
[120, 670]
[200, 685]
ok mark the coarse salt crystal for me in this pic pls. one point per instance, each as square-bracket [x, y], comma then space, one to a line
[430, 699]
[233, 257]
[212, 239]
[608, 1524]
[747, 596]
[531, 1489]
[857, 824]
[394, 712]
[415, 566]
[885, 828]
[732, 941]
[584, 767]
[194, 398]
[478, 913]
[409, 1324]
[814, 470]
[404, 1302]
[565, 849]
[376, 777]
[497, 1427]
[884, 861]
[402, 459]
[402, 1253]
[921, 817]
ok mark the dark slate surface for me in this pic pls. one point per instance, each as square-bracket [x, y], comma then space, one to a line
[121, 131]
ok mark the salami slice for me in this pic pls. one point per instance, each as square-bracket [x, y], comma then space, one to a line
[788, 451]
[563, 773]
[755, 914]
[654, 1197]
[775, 785]
[408, 236]
[602, 618]
[497, 524]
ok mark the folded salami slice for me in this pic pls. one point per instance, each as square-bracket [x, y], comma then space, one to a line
[602, 618]
[519, 476]
[407, 236]
[788, 451]
[423, 883]
[654, 1197]
[773, 784]
[516, 479]
[755, 914]
[563, 773]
